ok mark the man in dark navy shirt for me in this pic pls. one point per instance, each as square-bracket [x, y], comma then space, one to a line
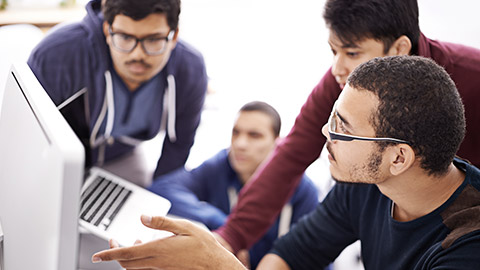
[392, 138]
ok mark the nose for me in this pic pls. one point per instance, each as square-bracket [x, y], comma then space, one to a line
[325, 132]
[339, 67]
[240, 142]
[138, 52]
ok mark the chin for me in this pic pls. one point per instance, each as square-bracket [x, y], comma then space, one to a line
[339, 178]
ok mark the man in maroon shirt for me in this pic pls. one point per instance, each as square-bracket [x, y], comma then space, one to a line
[359, 31]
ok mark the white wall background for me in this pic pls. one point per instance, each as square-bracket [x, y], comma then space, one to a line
[276, 51]
[270, 50]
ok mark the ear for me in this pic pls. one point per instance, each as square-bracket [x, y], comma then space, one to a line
[401, 46]
[105, 32]
[401, 158]
[175, 38]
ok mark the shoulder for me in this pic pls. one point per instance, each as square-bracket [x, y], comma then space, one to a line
[306, 185]
[462, 254]
[454, 57]
[461, 216]
[68, 48]
[217, 162]
[188, 67]
[306, 189]
[65, 39]
[186, 57]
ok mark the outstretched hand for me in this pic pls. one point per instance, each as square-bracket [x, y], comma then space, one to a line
[189, 247]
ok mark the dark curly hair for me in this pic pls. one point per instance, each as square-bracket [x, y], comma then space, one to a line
[382, 20]
[419, 103]
[139, 9]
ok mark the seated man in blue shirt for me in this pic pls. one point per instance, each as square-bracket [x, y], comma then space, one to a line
[392, 138]
[208, 192]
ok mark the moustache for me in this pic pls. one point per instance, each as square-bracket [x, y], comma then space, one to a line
[139, 62]
[329, 149]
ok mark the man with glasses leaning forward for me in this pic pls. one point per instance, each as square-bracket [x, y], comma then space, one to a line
[392, 139]
[120, 77]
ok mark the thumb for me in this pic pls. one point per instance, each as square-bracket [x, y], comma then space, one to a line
[175, 226]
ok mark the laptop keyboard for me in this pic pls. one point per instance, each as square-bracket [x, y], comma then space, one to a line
[101, 201]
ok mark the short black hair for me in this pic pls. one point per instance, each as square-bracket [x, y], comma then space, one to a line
[418, 103]
[267, 109]
[382, 20]
[139, 9]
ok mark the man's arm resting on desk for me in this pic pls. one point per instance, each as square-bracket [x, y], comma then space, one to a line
[189, 246]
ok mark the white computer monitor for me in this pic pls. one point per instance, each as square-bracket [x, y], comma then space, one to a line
[41, 172]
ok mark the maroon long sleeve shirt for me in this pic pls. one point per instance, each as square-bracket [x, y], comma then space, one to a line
[264, 196]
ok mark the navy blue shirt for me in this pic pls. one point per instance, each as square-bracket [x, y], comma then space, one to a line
[447, 238]
[202, 194]
[135, 111]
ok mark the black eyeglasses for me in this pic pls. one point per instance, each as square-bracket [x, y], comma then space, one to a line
[152, 45]
[334, 135]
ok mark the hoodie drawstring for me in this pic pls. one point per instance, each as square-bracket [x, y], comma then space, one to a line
[107, 105]
[171, 90]
[110, 104]
[108, 109]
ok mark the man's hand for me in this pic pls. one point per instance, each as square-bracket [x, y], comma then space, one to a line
[189, 247]
[222, 241]
[244, 257]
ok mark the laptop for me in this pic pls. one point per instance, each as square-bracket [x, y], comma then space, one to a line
[110, 207]
[46, 159]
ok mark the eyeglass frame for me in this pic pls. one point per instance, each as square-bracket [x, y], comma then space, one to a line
[335, 136]
[168, 38]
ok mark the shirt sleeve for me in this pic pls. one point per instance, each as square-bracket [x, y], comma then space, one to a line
[188, 191]
[262, 199]
[191, 88]
[57, 62]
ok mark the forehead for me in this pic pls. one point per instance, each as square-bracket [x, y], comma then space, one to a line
[357, 106]
[254, 120]
[153, 23]
[365, 43]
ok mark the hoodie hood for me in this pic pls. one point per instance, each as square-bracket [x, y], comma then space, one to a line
[93, 23]
[79, 52]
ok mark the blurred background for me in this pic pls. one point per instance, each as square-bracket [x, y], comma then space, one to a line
[270, 50]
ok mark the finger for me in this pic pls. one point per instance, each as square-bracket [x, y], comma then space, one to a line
[176, 226]
[121, 253]
[113, 243]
